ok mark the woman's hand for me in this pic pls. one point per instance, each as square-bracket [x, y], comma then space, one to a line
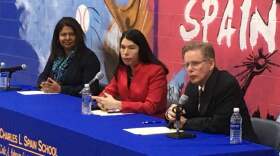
[50, 86]
[107, 102]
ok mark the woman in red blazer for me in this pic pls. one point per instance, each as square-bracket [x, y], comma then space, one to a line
[139, 84]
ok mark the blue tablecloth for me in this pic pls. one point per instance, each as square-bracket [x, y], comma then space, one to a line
[54, 125]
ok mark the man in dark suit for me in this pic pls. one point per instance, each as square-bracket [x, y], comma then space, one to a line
[212, 95]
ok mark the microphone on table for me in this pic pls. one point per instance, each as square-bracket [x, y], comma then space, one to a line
[6, 75]
[12, 69]
[98, 76]
[178, 109]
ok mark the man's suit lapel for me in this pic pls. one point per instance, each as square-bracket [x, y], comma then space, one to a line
[208, 92]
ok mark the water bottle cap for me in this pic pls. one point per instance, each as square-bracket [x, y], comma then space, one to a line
[235, 109]
[86, 85]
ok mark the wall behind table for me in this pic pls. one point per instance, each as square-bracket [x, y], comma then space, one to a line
[14, 50]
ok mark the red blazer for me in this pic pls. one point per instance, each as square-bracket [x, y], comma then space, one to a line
[147, 92]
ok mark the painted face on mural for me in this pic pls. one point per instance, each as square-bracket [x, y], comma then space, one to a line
[67, 38]
[198, 67]
[129, 52]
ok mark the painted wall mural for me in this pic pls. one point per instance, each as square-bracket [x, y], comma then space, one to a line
[245, 35]
[39, 19]
[102, 22]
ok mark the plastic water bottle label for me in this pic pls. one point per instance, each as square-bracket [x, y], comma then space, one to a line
[86, 104]
[235, 126]
[3, 80]
[86, 99]
[235, 133]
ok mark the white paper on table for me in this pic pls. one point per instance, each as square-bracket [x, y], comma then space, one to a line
[33, 92]
[104, 113]
[150, 130]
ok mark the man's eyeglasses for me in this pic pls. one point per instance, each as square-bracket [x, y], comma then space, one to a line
[194, 64]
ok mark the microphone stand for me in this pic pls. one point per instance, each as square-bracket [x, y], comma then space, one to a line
[179, 134]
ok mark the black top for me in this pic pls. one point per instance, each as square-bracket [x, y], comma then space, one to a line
[221, 94]
[81, 70]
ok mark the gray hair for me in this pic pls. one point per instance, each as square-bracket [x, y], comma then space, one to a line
[206, 49]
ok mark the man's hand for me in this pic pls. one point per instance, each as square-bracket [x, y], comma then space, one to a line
[170, 115]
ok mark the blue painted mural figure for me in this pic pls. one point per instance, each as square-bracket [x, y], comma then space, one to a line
[71, 64]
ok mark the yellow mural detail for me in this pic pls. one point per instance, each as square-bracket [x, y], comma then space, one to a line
[135, 14]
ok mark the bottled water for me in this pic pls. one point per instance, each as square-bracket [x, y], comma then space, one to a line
[3, 78]
[86, 100]
[235, 127]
